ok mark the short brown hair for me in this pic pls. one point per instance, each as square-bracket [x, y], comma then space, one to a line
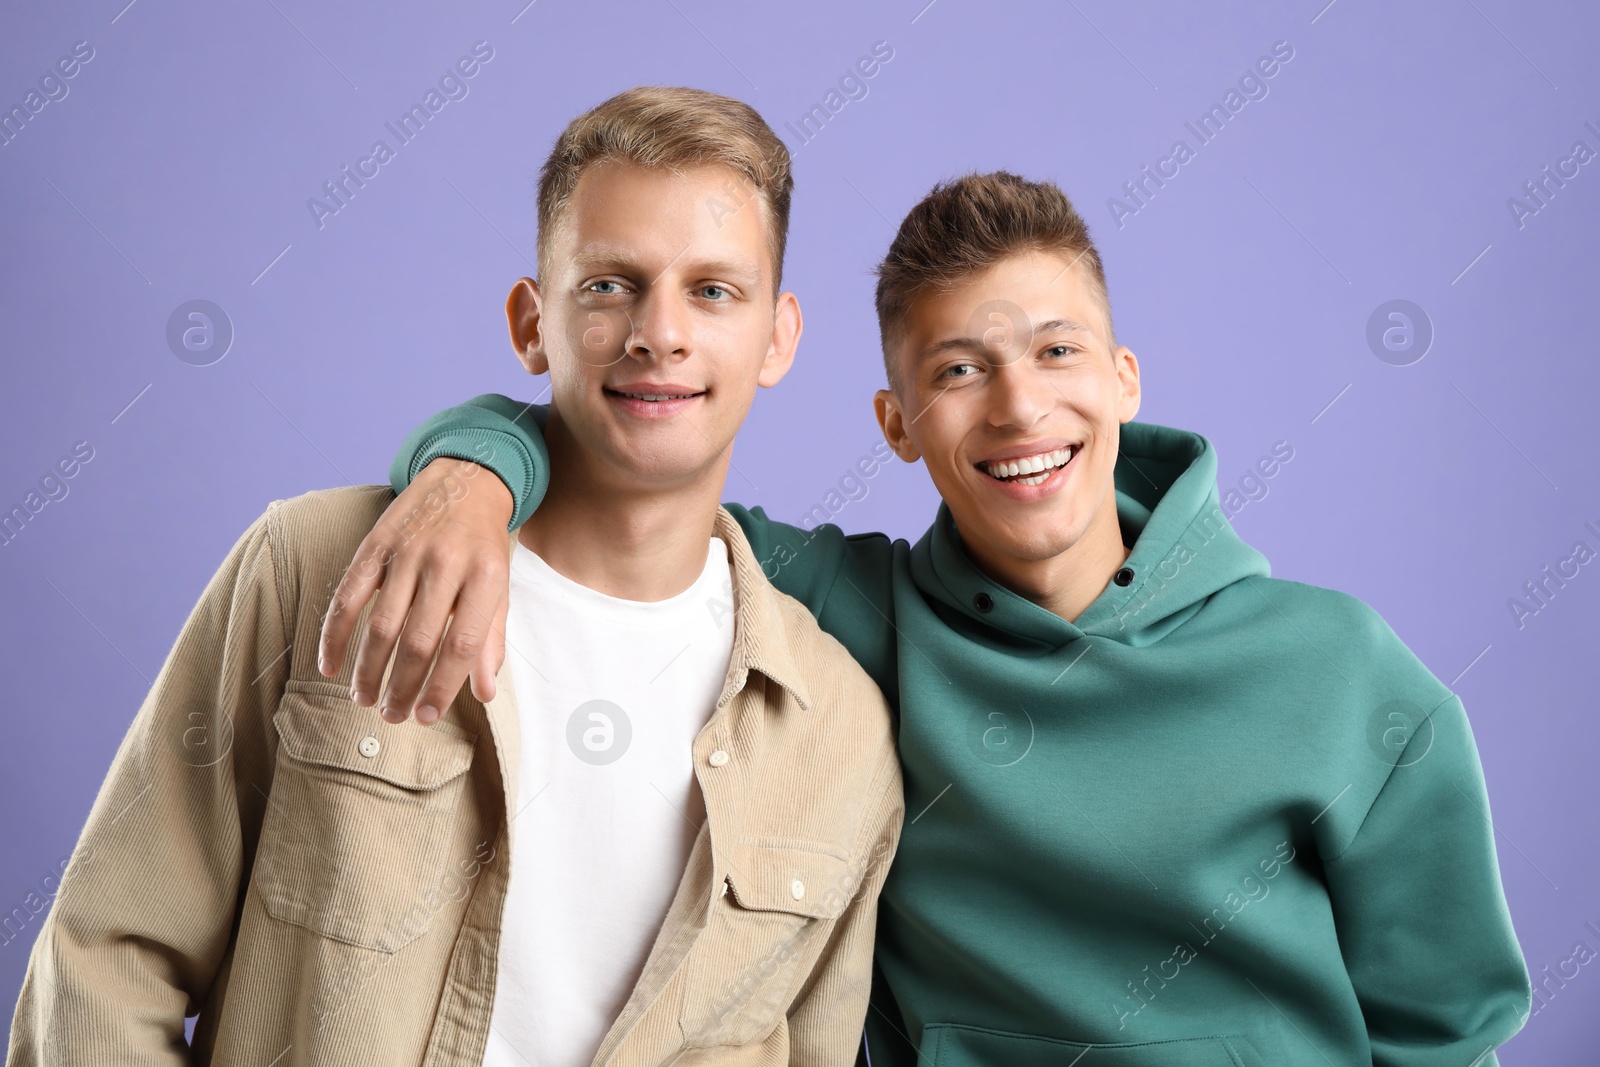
[966, 226]
[662, 126]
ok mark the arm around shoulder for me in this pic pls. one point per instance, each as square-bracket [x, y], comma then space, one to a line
[492, 430]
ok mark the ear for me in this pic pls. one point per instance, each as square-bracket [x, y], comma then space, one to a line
[524, 317]
[1128, 381]
[786, 328]
[892, 420]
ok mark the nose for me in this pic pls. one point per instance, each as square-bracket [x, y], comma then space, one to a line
[661, 327]
[1021, 396]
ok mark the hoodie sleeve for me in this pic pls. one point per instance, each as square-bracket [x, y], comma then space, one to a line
[493, 431]
[1422, 920]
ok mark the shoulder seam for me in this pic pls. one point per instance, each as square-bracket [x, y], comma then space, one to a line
[1348, 845]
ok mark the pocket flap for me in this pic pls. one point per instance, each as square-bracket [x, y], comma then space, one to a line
[327, 728]
[799, 881]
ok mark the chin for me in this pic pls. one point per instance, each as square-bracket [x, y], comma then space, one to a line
[663, 467]
[1034, 541]
[1036, 548]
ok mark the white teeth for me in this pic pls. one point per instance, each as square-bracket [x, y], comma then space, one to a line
[1030, 470]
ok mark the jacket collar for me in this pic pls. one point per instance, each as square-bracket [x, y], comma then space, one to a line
[760, 643]
[760, 629]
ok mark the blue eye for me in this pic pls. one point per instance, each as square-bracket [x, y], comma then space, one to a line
[595, 288]
[713, 292]
[1058, 350]
[950, 372]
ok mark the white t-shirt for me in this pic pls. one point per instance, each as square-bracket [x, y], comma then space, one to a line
[610, 695]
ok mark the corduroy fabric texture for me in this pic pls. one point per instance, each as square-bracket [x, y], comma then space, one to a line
[322, 887]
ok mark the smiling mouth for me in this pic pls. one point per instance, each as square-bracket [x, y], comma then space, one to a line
[655, 398]
[1029, 470]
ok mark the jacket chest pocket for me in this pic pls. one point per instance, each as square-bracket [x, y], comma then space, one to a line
[359, 820]
[765, 930]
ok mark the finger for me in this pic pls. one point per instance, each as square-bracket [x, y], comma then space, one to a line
[424, 628]
[385, 620]
[463, 643]
[361, 580]
[494, 654]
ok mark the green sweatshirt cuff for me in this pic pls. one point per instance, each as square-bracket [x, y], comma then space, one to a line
[493, 431]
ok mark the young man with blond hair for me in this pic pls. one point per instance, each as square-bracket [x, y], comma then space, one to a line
[1170, 811]
[646, 846]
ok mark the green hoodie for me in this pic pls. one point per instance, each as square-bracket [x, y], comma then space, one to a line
[1219, 819]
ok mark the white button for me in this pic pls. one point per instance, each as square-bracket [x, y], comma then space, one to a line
[369, 747]
[797, 889]
[717, 758]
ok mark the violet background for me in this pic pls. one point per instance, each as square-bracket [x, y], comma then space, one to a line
[1378, 167]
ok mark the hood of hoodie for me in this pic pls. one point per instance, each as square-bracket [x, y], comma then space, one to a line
[1184, 550]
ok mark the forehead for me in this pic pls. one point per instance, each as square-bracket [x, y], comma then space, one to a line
[661, 216]
[1027, 289]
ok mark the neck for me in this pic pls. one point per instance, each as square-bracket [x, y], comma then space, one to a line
[618, 536]
[1069, 581]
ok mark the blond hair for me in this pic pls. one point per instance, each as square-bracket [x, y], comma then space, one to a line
[966, 226]
[662, 126]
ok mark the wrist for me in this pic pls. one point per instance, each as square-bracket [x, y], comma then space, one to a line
[466, 485]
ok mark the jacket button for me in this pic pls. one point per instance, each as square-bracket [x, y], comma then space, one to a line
[797, 889]
[983, 602]
[1123, 577]
[369, 747]
[717, 758]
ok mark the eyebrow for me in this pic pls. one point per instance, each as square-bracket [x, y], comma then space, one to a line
[974, 344]
[603, 255]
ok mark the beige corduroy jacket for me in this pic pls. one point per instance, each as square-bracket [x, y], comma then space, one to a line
[324, 888]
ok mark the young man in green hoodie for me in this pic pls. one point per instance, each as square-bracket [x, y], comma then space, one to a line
[1169, 810]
